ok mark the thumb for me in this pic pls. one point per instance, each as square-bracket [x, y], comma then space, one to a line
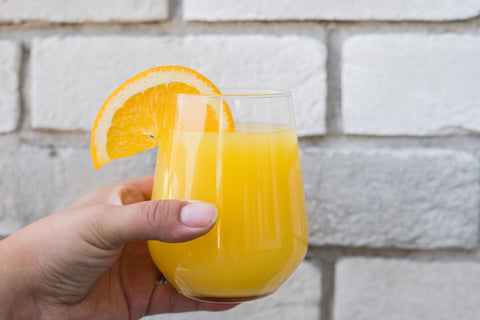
[163, 220]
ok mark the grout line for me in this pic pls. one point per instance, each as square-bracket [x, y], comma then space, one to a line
[22, 87]
[327, 270]
[329, 255]
[175, 10]
[176, 25]
[461, 143]
[333, 112]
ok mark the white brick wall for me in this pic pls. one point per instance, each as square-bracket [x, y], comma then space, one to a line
[74, 164]
[387, 105]
[411, 84]
[219, 10]
[9, 81]
[384, 198]
[297, 298]
[80, 72]
[83, 11]
[26, 187]
[36, 181]
[392, 289]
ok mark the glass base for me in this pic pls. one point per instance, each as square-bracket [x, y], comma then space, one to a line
[228, 299]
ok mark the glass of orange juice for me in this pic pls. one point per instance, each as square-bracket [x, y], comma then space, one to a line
[252, 174]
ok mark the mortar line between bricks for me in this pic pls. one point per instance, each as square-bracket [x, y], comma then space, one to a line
[469, 144]
[174, 6]
[478, 226]
[175, 17]
[327, 270]
[177, 26]
[22, 80]
[176, 10]
[332, 254]
[333, 112]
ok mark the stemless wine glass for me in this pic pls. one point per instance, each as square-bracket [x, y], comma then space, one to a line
[252, 174]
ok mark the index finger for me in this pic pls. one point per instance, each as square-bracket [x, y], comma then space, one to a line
[143, 184]
[114, 194]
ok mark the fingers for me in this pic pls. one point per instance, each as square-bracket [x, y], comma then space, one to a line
[144, 185]
[136, 190]
[165, 299]
[163, 220]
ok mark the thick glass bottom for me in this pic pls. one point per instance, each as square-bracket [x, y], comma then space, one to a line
[229, 299]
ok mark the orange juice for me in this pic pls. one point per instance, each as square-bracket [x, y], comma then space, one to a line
[253, 176]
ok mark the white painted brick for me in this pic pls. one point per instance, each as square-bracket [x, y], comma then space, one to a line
[26, 186]
[393, 289]
[220, 10]
[83, 11]
[80, 72]
[385, 198]
[411, 84]
[9, 77]
[298, 298]
[75, 175]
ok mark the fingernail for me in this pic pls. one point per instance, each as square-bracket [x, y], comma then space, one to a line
[198, 214]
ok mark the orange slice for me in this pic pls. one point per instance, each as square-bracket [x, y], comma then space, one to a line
[135, 116]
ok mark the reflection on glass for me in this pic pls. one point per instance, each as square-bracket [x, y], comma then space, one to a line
[253, 176]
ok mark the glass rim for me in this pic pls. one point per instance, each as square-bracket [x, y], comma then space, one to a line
[240, 93]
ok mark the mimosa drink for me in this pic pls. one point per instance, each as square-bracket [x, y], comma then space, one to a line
[253, 176]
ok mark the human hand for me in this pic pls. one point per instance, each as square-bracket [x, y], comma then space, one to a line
[90, 261]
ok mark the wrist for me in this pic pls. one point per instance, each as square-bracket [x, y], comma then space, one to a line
[15, 299]
[7, 289]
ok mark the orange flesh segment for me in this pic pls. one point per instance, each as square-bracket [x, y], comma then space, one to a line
[140, 121]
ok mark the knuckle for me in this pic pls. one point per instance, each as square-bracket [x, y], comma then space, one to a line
[118, 190]
[96, 233]
[162, 217]
[157, 213]
[96, 211]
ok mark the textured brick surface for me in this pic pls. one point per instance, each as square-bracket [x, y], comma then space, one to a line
[382, 198]
[298, 298]
[411, 84]
[218, 10]
[383, 289]
[75, 175]
[81, 11]
[395, 175]
[80, 72]
[9, 77]
[25, 186]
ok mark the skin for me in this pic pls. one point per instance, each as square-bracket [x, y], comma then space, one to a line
[90, 260]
